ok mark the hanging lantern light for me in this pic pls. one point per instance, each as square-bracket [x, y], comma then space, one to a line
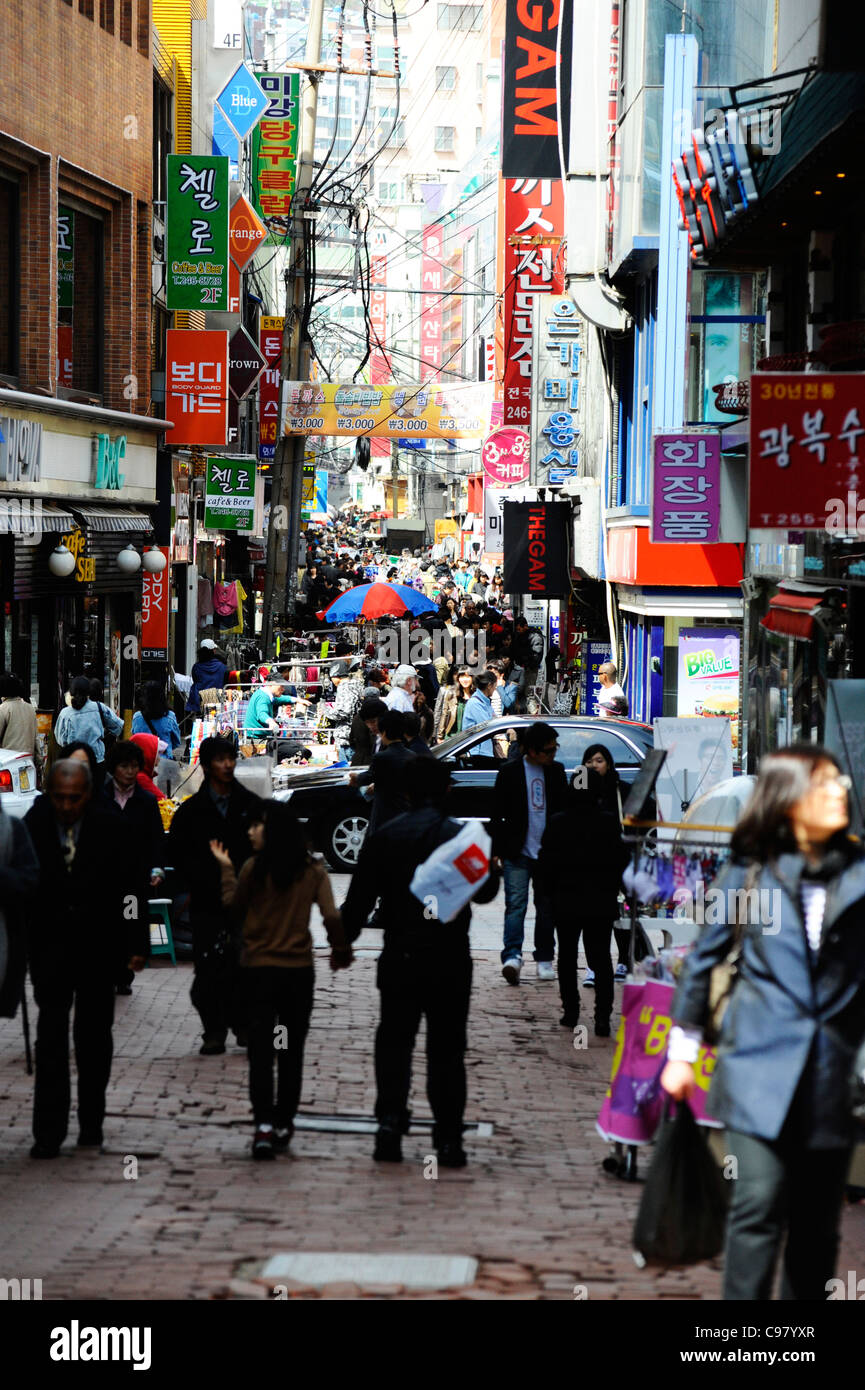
[61, 562]
[154, 560]
[128, 560]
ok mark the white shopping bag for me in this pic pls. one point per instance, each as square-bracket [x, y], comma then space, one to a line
[454, 872]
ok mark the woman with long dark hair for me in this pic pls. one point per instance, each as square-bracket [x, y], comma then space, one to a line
[85, 720]
[273, 896]
[154, 717]
[451, 703]
[793, 901]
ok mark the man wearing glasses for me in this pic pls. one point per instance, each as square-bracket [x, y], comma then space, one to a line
[528, 792]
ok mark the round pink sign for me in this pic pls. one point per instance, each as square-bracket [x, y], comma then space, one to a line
[505, 456]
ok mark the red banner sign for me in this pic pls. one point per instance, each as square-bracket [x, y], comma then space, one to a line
[432, 284]
[806, 445]
[196, 386]
[533, 264]
[270, 343]
[154, 613]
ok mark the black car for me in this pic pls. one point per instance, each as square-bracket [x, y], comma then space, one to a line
[337, 816]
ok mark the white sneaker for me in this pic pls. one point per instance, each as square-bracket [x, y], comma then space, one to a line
[546, 970]
[589, 978]
[511, 970]
[621, 971]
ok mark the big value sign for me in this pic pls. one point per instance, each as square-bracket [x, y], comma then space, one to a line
[196, 272]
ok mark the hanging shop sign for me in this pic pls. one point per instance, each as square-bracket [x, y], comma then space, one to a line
[65, 338]
[714, 186]
[229, 494]
[270, 331]
[155, 599]
[805, 470]
[65, 257]
[197, 232]
[242, 101]
[380, 369]
[307, 502]
[536, 548]
[505, 457]
[530, 120]
[557, 332]
[196, 386]
[709, 675]
[245, 363]
[531, 264]
[389, 411]
[226, 143]
[432, 285]
[273, 147]
[246, 232]
[107, 456]
[85, 565]
[493, 541]
[686, 488]
[594, 655]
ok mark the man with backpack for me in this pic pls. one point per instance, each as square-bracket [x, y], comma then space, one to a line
[410, 978]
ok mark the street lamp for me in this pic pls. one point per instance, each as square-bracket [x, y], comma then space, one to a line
[154, 560]
[61, 562]
[128, 560]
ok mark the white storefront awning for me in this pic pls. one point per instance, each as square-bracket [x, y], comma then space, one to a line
[724, 607]
[106, 519]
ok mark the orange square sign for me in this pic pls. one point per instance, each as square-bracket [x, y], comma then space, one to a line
[246, 232]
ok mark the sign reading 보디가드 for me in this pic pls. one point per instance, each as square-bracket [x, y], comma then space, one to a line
[403, 412]
[229, 499]
[686, 488]
[196, 271]
[196, 385]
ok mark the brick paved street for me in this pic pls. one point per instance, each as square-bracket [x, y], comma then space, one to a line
[533, 1207]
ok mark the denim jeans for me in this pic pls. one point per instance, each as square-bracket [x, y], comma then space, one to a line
[519, 873]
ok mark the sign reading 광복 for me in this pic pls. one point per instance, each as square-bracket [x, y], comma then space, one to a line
[197, 232]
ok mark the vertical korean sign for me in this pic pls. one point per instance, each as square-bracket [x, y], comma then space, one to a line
[270, 343]
[154, 613]
[229, 494]
[558, 342]
[531, 264]
[380, 368]
[273, 149]
[65, 293]
[686, 488]
[197, 232]
[196, 386]
[432, 282]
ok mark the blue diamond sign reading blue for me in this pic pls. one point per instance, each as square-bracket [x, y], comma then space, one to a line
[242, 101]
[226, 142]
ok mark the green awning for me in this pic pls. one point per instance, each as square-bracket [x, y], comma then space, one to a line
[825, 104]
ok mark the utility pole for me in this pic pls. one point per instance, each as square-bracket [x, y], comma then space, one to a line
[283, 532]
[394, 478]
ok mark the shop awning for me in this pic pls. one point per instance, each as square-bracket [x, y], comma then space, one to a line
[794, 614]
[106, 519]
[24, 514]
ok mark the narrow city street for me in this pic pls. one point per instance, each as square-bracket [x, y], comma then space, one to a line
[200, 1220]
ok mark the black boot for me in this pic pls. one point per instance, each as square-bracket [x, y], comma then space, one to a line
[602, 1027]
[388, 1141]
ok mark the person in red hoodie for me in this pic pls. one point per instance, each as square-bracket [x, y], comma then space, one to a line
[149, 745]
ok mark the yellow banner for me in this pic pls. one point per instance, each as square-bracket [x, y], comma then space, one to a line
[428, 411]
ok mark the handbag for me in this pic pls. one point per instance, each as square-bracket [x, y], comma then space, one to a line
[723, 978]
[684, 1203]
[108, 738]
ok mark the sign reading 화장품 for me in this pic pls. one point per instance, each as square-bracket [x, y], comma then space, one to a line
[686, 487]
[229, 495]
[196, 271]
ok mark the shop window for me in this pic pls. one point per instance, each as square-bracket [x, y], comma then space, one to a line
[727, 336]
[126, 22]
[144, 28]
[80, 327]
[9, 277]
[162, 144]
[85, 7]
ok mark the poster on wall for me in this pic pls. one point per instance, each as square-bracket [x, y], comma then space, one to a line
[594, 656]
[708, 683]
[699, 756]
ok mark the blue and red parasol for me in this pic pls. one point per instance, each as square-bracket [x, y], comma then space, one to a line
[379, 600]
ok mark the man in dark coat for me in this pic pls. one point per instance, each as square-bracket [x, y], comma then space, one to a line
[88, 917]
[19, 875]
[410, 977]
[221, 810]
[386, 773]
[364, 730]
[580, 869]
[138, 810]
[528, 791]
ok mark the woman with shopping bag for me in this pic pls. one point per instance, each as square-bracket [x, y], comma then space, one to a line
[788, 955]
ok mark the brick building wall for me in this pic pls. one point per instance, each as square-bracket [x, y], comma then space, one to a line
[76, 127]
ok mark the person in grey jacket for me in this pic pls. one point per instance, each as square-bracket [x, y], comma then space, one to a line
[794, 1022]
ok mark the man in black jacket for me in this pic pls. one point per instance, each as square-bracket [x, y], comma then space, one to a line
[528, 792]
[87, 918]
[19, 875]
[139, 812]
[410, 977]
[221, 810]
[385, 775]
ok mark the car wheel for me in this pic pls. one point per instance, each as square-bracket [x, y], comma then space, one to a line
[344, 840]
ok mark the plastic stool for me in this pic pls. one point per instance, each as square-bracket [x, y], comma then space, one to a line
[161, 935]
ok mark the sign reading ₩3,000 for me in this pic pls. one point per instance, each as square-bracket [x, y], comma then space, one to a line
[196, 271]
[425, 411]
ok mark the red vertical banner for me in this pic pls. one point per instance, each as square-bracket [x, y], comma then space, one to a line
[196, 385]
[613, 121]
[432, 285]
[380, 367]
[533, 263]
[154, 613]
[270, 343]
[64, 354]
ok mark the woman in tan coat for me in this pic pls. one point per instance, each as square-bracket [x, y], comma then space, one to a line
[273, 896]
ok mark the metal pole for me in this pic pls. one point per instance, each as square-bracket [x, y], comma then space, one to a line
[394, 477]
[283, 533]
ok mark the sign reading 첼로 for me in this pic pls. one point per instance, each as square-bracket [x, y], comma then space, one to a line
[686, 488]
[229, 495]
[196, 272]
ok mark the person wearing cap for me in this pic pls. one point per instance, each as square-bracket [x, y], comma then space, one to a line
[347, 677]
[403, 688]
